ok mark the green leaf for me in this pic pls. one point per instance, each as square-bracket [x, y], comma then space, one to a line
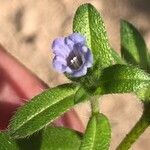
[97, 135]
[60, 138]
[149, 62]
[81, 95]
[42, 110]
[125, 79]
[133, 47]
[31, 143]
[89, 23]
[117, 57]
[6, 143]
[52, 138]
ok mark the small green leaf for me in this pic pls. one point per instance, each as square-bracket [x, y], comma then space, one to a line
[133, 47]
[149, 62]
[97, 135]
[117, 57]
[89, 23]
[6, 143]
[60, 138]
[42, 110]
[52, 138]
[81, 95]
[124, 79]
[31, 143]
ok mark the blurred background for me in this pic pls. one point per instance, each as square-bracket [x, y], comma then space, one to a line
[28, 27]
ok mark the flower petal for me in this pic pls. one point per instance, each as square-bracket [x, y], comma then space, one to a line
[77, 38]
[60, 48]
[59, 63]
[88, 56]
[60, 59]
[69, 43]
[80, 72]
[59, 67]
[84, 49]
[68, 70]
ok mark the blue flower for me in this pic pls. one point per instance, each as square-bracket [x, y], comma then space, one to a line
[72, 56]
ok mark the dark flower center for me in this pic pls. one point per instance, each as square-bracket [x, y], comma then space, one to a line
[74, 60]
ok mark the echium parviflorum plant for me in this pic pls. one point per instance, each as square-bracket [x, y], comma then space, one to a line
[87, 59]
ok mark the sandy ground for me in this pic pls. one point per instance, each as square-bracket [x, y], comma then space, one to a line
[28, 27]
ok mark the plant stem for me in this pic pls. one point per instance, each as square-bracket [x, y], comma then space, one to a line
[137, 130]
[94, 105]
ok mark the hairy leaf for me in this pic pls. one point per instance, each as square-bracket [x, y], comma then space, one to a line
[60, 138]
[124, 79]
[81, 95]
[88, 22]
[33, 142]
[149, 62]
[6, 143]
[117, 57]
[52, 138]
[133, 47]
[42, 110]
[97, 135]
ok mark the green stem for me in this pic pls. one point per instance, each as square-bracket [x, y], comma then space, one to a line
[94, 105]
[137, 130]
